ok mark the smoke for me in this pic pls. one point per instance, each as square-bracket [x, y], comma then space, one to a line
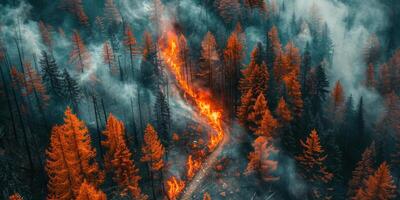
[350, 25]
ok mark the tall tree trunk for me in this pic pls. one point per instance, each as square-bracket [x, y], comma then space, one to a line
[97, 126]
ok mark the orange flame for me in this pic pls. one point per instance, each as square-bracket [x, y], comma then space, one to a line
[170, 54]
[193, 165]
[174, 187]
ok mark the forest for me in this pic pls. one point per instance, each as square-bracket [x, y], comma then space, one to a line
[200, 99]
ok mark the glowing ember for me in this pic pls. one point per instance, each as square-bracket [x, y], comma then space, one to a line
[193, 165]
[170, 54]
[174, 187]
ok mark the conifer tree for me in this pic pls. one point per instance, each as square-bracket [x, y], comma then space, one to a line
[79, 54]
[259, 159]
[46, 35]
[206, 196]
[89, 192]
[209, 59]
[379, 186]
[131, 45]
[118, 159]
[108, 58]
[153, 150]
[244, 108]
[111, 12]
[312, 164]
[233, 55]
[268, 125]
[51, 74]
[228, 9]
[257, 112]
[72, 91]
[162, 116]
[294, 94]
[364, 169]
[282, 111]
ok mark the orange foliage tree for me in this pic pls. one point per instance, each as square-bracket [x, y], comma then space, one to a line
[312, 164]
[118, 159]
[209, 59]
[153, 150]
[233, 55]
[108, 58]
[282, 111]
[34, 84]
[131, 45]
[338, 97]
[111, 12]
[79, 54]
[46, 35]
[259, 159]
[268, 125]
[89, 192]
[293, 57]
[256, 114]
[174, 187]
[379, 186]
[364, 169]
[294, 93]
[256, 4]
[70, 159]
[244, 108]
[76, 8]
[228, 9]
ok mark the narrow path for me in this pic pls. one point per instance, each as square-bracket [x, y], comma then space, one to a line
[205, 169]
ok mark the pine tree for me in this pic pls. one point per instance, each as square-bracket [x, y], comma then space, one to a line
[51, 74]
[209, 59]
[255, 76]
[244, 108]
[255, 117]
[364, 169]
[72, 91]
[337, 104]
[71, 159]
[153, 150]
[379, 186]
[111, 13]
[163, 117]
[228, 10]
[76, 8]
[294, 94]
[46, 35]
[89, 192]
[131, 44]
[79, 54]
[312, 164]
[34, 85]
[233, 55]
[268, 125]
[153, 153]
[118, 159]
[282, 111]
[318, 89]
[259, 159]
[385, 85]
[108, 58]
[293, 58]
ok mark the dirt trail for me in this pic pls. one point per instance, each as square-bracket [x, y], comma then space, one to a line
[206, 167]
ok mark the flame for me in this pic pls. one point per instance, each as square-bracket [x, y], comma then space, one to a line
[170, 54]
[193, 165]
[174, 187]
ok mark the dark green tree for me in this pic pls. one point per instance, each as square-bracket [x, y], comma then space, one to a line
[51, 74]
